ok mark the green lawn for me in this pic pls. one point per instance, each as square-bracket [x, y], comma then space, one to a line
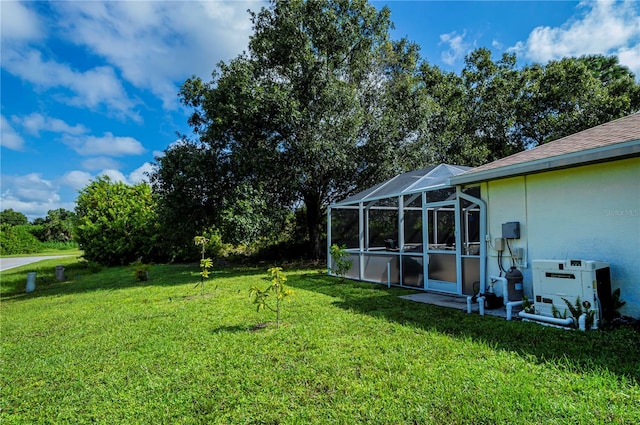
[50, 251]
[103, 348]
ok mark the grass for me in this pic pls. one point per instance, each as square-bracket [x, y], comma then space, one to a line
[51, 249]
[104, 348]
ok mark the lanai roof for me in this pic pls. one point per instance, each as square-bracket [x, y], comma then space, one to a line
[613, 140]
[403, 184]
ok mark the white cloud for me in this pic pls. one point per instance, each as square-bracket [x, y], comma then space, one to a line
[139, 175]
[76, 179]
[604, 27]
[99, 163]
[30, 188]
[458, 47]
[35, 123]
[79, 179]
[96, 88]
[114, 175]
[33, 209]
[135, 177]
[107, 145]
[630, 56]
[18, 22]
[34, 196]
[8, 136]
[156, 44]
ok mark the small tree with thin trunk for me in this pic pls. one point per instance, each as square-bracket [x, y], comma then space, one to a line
[276, 291]
[205, 263]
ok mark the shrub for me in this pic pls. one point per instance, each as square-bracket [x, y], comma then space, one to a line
[339, 256]
[60, 245]
[18, 240]
[115, 222]
[141, 271]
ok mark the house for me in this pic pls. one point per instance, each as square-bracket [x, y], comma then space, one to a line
[576, 198]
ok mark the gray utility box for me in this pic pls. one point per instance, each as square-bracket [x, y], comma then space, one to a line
[511, 230]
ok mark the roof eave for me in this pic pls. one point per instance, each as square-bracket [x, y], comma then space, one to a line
[574, 159]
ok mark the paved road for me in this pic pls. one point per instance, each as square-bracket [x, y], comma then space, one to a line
[9, 263]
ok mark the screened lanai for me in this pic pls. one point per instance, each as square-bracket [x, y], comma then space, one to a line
[414, 230]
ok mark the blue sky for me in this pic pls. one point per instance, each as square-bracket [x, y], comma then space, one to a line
[90, 88]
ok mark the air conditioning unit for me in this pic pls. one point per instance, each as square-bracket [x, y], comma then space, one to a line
[555, 281]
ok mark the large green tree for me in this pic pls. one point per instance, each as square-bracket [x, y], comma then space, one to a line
[190, 182]
[116, 223]
[300, 112]
[13, 218]
[490, 94]
[323, 104]
[494, 109]
[58, 225]
[573, 94]
[444, 136]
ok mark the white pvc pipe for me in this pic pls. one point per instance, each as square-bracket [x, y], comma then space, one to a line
[556, 321]
[510, 306]
[566, 328]
[480, 305]
[505, 289]
[582, 322]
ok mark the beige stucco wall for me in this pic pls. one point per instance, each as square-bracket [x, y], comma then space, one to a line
[587, 213]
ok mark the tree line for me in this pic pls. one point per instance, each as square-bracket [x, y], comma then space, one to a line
[18, 236]
[323, 104]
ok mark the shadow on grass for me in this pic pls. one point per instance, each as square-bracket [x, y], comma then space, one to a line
[613, 350]
[230, 329]
[81, 277]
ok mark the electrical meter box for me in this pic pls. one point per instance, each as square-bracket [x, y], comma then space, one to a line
[511, 230]
[555, 281]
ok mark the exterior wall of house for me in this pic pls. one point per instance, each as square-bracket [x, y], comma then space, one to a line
[584, 213]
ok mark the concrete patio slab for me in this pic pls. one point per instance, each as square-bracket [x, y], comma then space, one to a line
[452, 301]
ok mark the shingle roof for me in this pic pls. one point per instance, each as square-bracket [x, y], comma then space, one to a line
[602, 137]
